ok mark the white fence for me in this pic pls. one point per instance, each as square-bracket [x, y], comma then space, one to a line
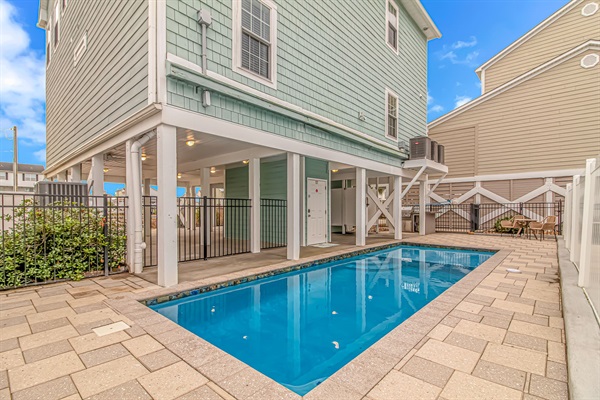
[582, 228]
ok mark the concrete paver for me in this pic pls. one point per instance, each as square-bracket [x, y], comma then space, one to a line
[493, 335]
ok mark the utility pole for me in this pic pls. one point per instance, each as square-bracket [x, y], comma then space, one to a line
[15, 160]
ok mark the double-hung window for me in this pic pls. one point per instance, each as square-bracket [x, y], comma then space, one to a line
[56, 27]
[30, 177]
[392, 25]
[255, 33]
[391, 115]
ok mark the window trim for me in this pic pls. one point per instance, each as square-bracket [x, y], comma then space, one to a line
[236, 56]
[389, 93]
[57, 24]
[387, 21]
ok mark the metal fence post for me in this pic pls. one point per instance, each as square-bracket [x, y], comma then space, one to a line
[204, 226]
[560, 212]
[105, 232]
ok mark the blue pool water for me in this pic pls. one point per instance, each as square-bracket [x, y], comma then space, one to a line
[299, 328]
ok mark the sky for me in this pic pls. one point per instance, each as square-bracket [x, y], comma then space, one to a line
[473, 31]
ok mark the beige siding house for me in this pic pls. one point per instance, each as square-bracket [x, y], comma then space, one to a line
[536, 120]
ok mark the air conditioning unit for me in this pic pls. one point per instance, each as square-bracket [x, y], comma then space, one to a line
[61, 191]
[420, 147]
[434, 150]
[441, 154]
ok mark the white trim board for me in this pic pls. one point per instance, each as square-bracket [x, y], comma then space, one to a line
[172, 58]
[218, 127]
[513, 46]
[589, 45]
[520, 175]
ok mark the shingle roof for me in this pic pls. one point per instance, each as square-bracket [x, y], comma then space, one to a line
[8, 166]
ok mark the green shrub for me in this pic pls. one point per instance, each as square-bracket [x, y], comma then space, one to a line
[62, 240]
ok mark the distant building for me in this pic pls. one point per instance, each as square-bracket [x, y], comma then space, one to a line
[537, 119]
[27, 176]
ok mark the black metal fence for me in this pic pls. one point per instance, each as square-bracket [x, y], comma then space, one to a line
[49, 238]
[485, 217]
[150, 225]
[273, 226]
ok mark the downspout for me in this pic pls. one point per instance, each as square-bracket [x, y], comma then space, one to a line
[205, 20]
[136, 193]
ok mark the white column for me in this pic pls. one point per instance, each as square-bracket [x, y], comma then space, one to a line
[422, 201]
[132, 207]
[62, 176]
[293, 206]
[574, 216]
[361, 206]
[75, 173]
[397, 207]
[254, 195]
[98, 175]
[166, 143]
[567, 216]
[585, 259]
[205, 182]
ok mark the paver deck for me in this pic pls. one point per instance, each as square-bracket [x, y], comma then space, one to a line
[493, 335]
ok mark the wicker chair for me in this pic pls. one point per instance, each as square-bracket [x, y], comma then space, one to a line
[547, 224]
[511, 224]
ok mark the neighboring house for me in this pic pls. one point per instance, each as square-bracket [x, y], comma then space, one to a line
[27, 176]
[274, 96]
[537, 118]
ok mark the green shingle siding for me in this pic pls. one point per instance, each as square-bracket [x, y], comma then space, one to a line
[324, 49]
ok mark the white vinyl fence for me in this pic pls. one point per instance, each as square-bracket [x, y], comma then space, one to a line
[582, 228]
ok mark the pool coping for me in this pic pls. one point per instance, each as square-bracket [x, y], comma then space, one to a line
[351, 381]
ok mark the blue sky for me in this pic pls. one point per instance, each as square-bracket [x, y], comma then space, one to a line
[473, 31]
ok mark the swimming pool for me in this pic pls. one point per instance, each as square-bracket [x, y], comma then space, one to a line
[300, 327]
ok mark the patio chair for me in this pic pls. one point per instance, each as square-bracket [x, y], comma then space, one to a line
[512, 223]
[547, 224]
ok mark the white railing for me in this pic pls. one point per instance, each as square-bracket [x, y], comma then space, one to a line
[582, 229]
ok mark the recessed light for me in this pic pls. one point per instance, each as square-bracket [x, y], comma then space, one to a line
[246, 161]
[179, 175]
[144, 157]
[105, 170]
[190, 142]
[334, 170]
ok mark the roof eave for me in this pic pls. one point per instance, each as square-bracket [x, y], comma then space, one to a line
[418, 13]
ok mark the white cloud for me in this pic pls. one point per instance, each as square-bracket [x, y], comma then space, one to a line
[461, 100]
[40, 155]
[429, 99]
[470, 59]
[436, 109]
[22, 81]
[462, 44]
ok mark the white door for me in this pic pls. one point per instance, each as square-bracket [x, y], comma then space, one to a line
[316, 211]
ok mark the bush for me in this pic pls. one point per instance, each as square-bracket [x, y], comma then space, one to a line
[62, 240]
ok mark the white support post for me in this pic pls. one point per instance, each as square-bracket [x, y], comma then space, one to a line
[205, 182]
[397, 204]
[478, 195]
[254, 194]
[422, 202]
[166, 144]
[132, 207]
[98, 175]
[75, 173]
[574, 217]
[585, 259]
[361, 206]
[62, 176]
[293, 206]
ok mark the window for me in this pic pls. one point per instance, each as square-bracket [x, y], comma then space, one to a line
[3, 176]
[30, 177]
[391, 120]
[392, 25]
[48, 42]
[255, 40]
[56, 27]
[64, 5]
